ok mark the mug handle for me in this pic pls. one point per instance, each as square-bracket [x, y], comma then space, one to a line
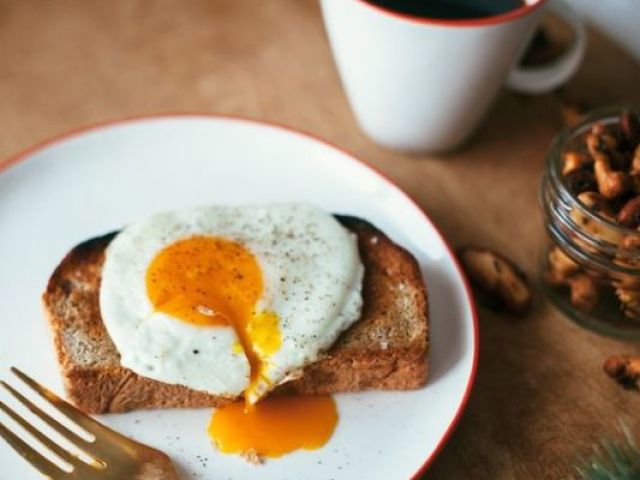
[541, 79]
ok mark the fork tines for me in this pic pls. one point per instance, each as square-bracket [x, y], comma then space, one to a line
[35, 458]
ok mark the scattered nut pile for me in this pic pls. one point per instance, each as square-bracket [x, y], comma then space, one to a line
[603, 172]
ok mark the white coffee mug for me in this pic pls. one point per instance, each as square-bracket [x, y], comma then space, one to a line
[420, 84]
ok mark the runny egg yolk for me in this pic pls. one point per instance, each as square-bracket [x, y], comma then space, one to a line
[208, 281]
[214, 281]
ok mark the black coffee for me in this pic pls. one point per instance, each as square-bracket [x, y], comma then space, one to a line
[450, 9]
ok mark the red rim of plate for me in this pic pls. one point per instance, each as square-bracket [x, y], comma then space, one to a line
[474, 22]
[60, 138]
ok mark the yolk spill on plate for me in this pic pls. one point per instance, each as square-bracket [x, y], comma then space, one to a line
[209, 281]
[275, 425]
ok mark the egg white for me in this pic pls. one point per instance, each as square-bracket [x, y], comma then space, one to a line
[312, 278]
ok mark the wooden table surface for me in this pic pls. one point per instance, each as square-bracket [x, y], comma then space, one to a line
[540, 394]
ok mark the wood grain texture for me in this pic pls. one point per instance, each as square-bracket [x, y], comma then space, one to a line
[540, 395]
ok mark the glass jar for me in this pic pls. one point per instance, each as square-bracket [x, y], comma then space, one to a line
[589, 264]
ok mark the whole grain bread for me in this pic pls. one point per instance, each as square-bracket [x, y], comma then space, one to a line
[387, 348]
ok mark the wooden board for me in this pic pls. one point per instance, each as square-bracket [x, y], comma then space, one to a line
[540, 395]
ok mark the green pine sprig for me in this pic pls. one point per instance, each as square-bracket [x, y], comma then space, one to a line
[611, 460]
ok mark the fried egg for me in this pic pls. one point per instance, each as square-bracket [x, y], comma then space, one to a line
[230, 299]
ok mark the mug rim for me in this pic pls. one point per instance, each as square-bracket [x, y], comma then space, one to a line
[473, 22]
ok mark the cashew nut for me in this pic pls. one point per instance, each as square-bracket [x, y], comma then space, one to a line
[630, 300]
[601, 146]
[561, 264]
[498, 282]
[573, 161]
[611, 183]
[584, 291]
[629, 214]
[624, 369]
[563, 271]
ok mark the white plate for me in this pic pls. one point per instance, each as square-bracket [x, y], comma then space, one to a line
[101, 178]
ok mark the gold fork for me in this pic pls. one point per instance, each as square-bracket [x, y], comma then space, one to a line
[113, 456]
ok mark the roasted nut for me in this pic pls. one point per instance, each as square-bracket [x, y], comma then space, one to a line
[629, 214]
[499, 283]
[602, 146]
[611, 183]
[584, 292]
[573, 161]
[630, 300]
[627, 290]
[613, 157]
[628, 293]
[624, 369]
[561, 265]
[563, 271]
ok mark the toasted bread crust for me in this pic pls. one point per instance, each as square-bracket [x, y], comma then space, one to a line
[387, 348]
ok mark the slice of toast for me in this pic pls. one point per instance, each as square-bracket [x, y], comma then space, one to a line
[385, 349]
